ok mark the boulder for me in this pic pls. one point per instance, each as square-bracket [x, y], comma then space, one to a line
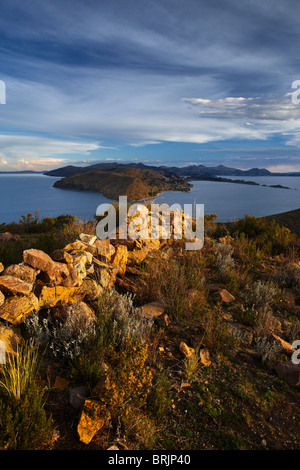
[15, 309]
[88, 239]
[83, 313]
[2, 298]
[102, 243]
[52, 296]
[72, 280]
[37, 259]
[1, 267]
[103, 278]
[153, 309]
[23, 272]
[285, 346]
[7, 236]
[104, 250]
[77, 245]
[289, 372]
[137, 256]
[80, 259]
[59, 295]
[244, 334]
[152, 243]
[56, 274]
[92, 419]
[12, 285]
[89, 290]
[10, 337]
[62, 256]
[119, 259]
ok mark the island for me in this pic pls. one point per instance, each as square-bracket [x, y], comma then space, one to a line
[135, 183]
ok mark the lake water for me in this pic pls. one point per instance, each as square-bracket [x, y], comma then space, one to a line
[21, 194]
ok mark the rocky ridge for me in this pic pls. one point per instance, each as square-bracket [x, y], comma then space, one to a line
[75, 276]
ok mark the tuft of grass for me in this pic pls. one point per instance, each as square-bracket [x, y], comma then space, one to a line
[19, 371]
[24, 424]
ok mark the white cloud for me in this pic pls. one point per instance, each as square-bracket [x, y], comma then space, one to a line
[18, 152]
[285, 168]
[272, 109]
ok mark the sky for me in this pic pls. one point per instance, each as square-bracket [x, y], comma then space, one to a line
[163, 82]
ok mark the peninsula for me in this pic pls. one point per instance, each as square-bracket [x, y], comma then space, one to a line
[135, 183]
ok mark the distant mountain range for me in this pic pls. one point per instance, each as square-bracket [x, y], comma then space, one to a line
[187, 171]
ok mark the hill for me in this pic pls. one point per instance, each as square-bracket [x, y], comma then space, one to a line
[135, 183]
[290, 219]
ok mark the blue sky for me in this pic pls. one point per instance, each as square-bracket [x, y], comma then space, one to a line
[171, 82]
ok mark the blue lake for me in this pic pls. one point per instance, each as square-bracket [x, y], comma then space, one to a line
[21, 194]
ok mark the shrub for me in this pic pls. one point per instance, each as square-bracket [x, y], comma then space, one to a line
[23, 420]
[127, 321]
[268, 235]
[63, 337]
[159, 399]
[172, 280]
[259, 295]
[288, 275]
[266, 350]
[225, 262]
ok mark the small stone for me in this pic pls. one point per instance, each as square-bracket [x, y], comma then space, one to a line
[286, 347]
[78, 396]
[224, 296]
[163, 320]
[92, 419]
[186, 350]
[205, 357]
[61, 383]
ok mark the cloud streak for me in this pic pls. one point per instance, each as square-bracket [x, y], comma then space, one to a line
[85, 77]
